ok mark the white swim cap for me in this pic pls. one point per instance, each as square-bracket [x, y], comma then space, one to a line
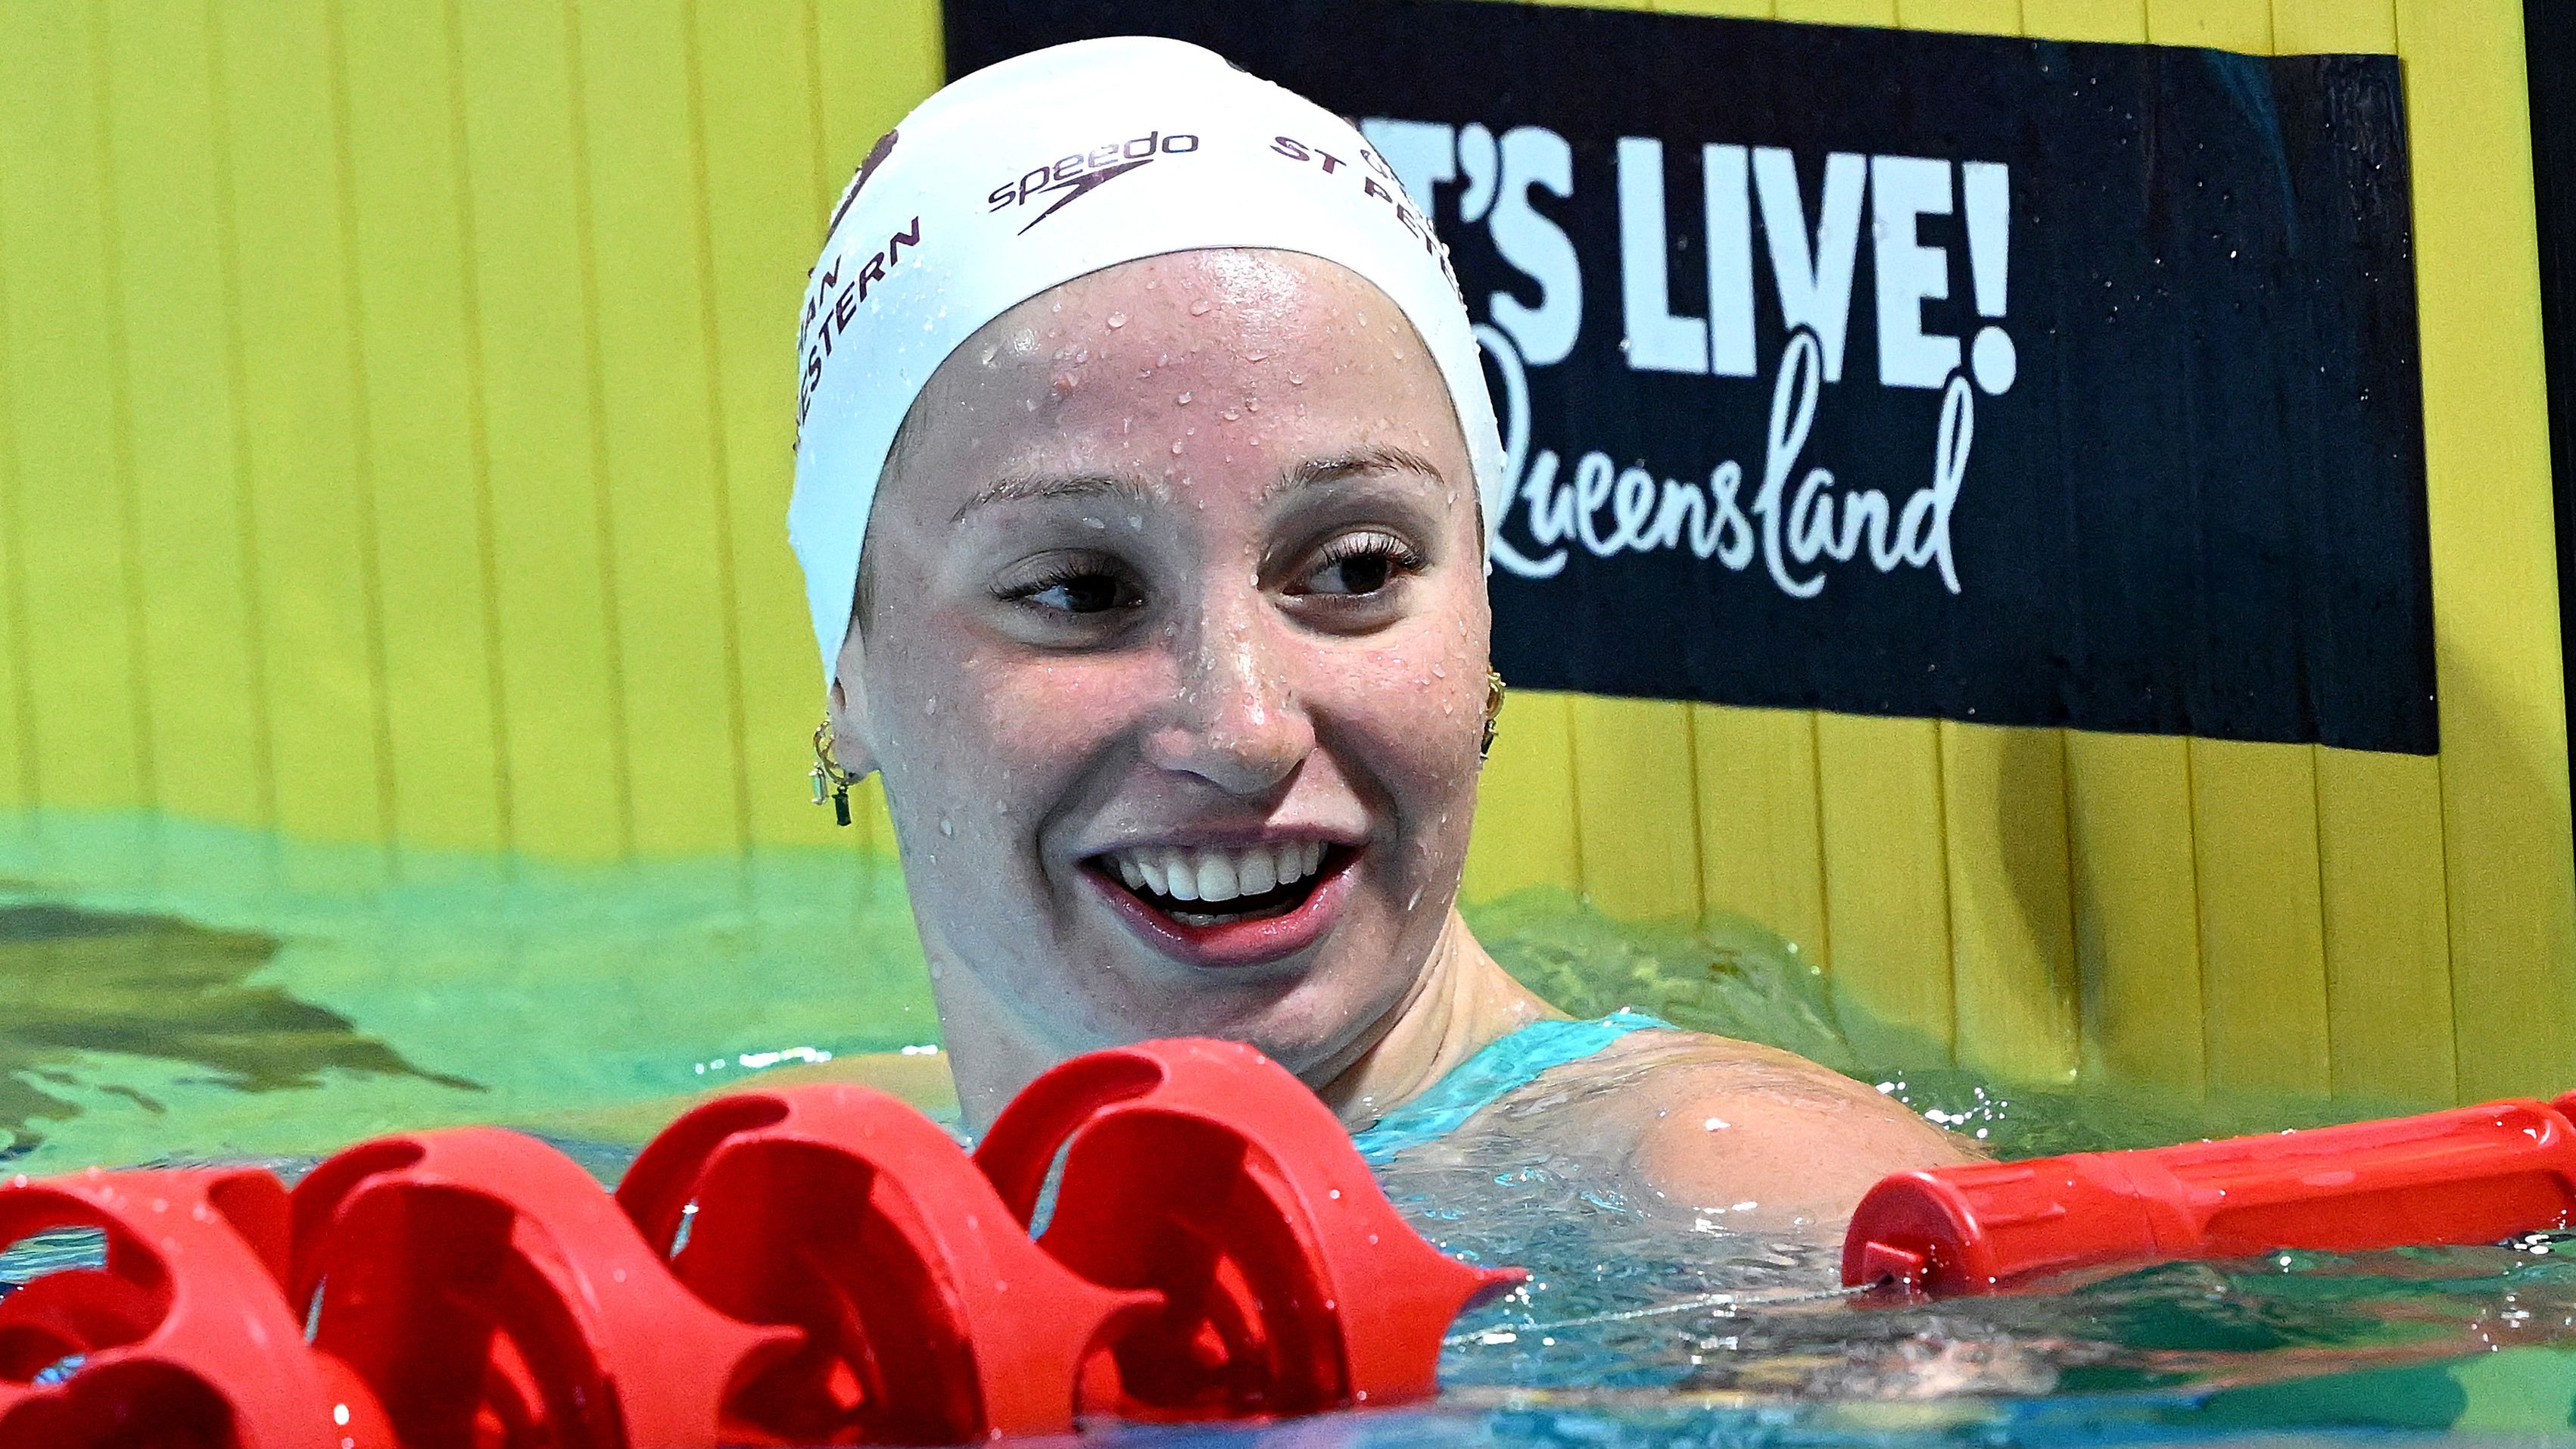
[1052, 165]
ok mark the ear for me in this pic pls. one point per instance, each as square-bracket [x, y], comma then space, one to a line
[852, 740]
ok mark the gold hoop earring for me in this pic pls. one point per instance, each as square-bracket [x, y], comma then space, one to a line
[1493, 713]
[830, 780]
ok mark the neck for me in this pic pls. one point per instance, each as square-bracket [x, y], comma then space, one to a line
[1462, 1002]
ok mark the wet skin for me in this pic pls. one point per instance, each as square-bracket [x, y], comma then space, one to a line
[1172, 656]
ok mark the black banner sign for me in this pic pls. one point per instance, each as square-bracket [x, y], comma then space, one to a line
[1898, 373]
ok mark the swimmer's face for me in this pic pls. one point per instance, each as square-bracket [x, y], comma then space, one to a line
[1175, 660]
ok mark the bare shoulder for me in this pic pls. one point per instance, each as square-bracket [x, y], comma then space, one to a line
[1760, 1138]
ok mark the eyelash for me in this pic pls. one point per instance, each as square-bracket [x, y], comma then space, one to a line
[1401, 557]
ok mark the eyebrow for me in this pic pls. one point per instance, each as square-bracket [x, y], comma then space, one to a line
[1361, 462]
[1023, 489]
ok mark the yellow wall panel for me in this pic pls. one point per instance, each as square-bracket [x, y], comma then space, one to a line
[1839, 12]
[1636, 812]
[2495, 583]
[2262, 920]
[1887, 887]
[1973, 17]
[2240, 25]
[432, 494]
[2137, 913]
[2309, 27]
[2387, 936]
[171, 262]
[311, 508]
[2012, 916]
[1760, 855]
[566, 744]
[1742, 9]
[73, 520]
[2121, 20]
[669, 526]
[876, 61]
[1525, 806]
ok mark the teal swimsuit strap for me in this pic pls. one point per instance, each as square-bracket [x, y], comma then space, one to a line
[1503, 1067]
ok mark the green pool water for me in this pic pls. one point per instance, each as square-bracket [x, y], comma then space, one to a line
[171, 991]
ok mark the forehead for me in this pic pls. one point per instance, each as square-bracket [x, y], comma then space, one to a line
[1178, 362]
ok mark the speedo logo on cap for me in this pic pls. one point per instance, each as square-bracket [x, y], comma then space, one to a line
[1073, 177]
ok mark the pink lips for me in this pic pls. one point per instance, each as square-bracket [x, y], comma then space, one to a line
[1237, 943]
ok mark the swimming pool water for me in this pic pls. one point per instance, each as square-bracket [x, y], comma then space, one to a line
[173, 992]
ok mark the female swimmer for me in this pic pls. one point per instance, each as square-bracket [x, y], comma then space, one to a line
[1143, 481]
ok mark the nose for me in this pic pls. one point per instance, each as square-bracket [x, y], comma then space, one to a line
[1237, 721]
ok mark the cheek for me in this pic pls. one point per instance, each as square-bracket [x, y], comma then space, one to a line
[1047, 720]
[1419, 706]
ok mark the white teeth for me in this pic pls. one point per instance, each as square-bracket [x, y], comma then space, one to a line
[1256, 872]
[1208, 874]
[1181, 876]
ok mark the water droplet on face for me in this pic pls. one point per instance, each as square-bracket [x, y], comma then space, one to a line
[1296, 379]
[1230, 415]
[1176, 447]
[1256, 355]
[1117, 319]
[947, 826]
[930, 705]
[1199, 308]
[1183, 399]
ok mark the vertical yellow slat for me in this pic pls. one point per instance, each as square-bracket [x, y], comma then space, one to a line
[2495, 583]
[560, 713]
[877, 59]
[1525, 803]
[209, 738]
[756, 118]
[17, 706]
[2379, 817]
[2262, 915]
[2239, 25]
[1887, 891]
[2388, 950]
[71, 525]
[2004, 813]
[2254, 811]
[302, 408]
[432, 505]
[2312, 27]
[1636, 815]
[2137, 920]
[2012, 913]
[1759, 852]
[1839, 12]
[1971, 17]
[2124, 20]
[670, 529]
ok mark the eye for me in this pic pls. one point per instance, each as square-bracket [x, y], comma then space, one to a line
[1359, 565]
[1073, 587]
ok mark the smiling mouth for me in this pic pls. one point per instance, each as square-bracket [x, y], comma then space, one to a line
[1204, 887]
